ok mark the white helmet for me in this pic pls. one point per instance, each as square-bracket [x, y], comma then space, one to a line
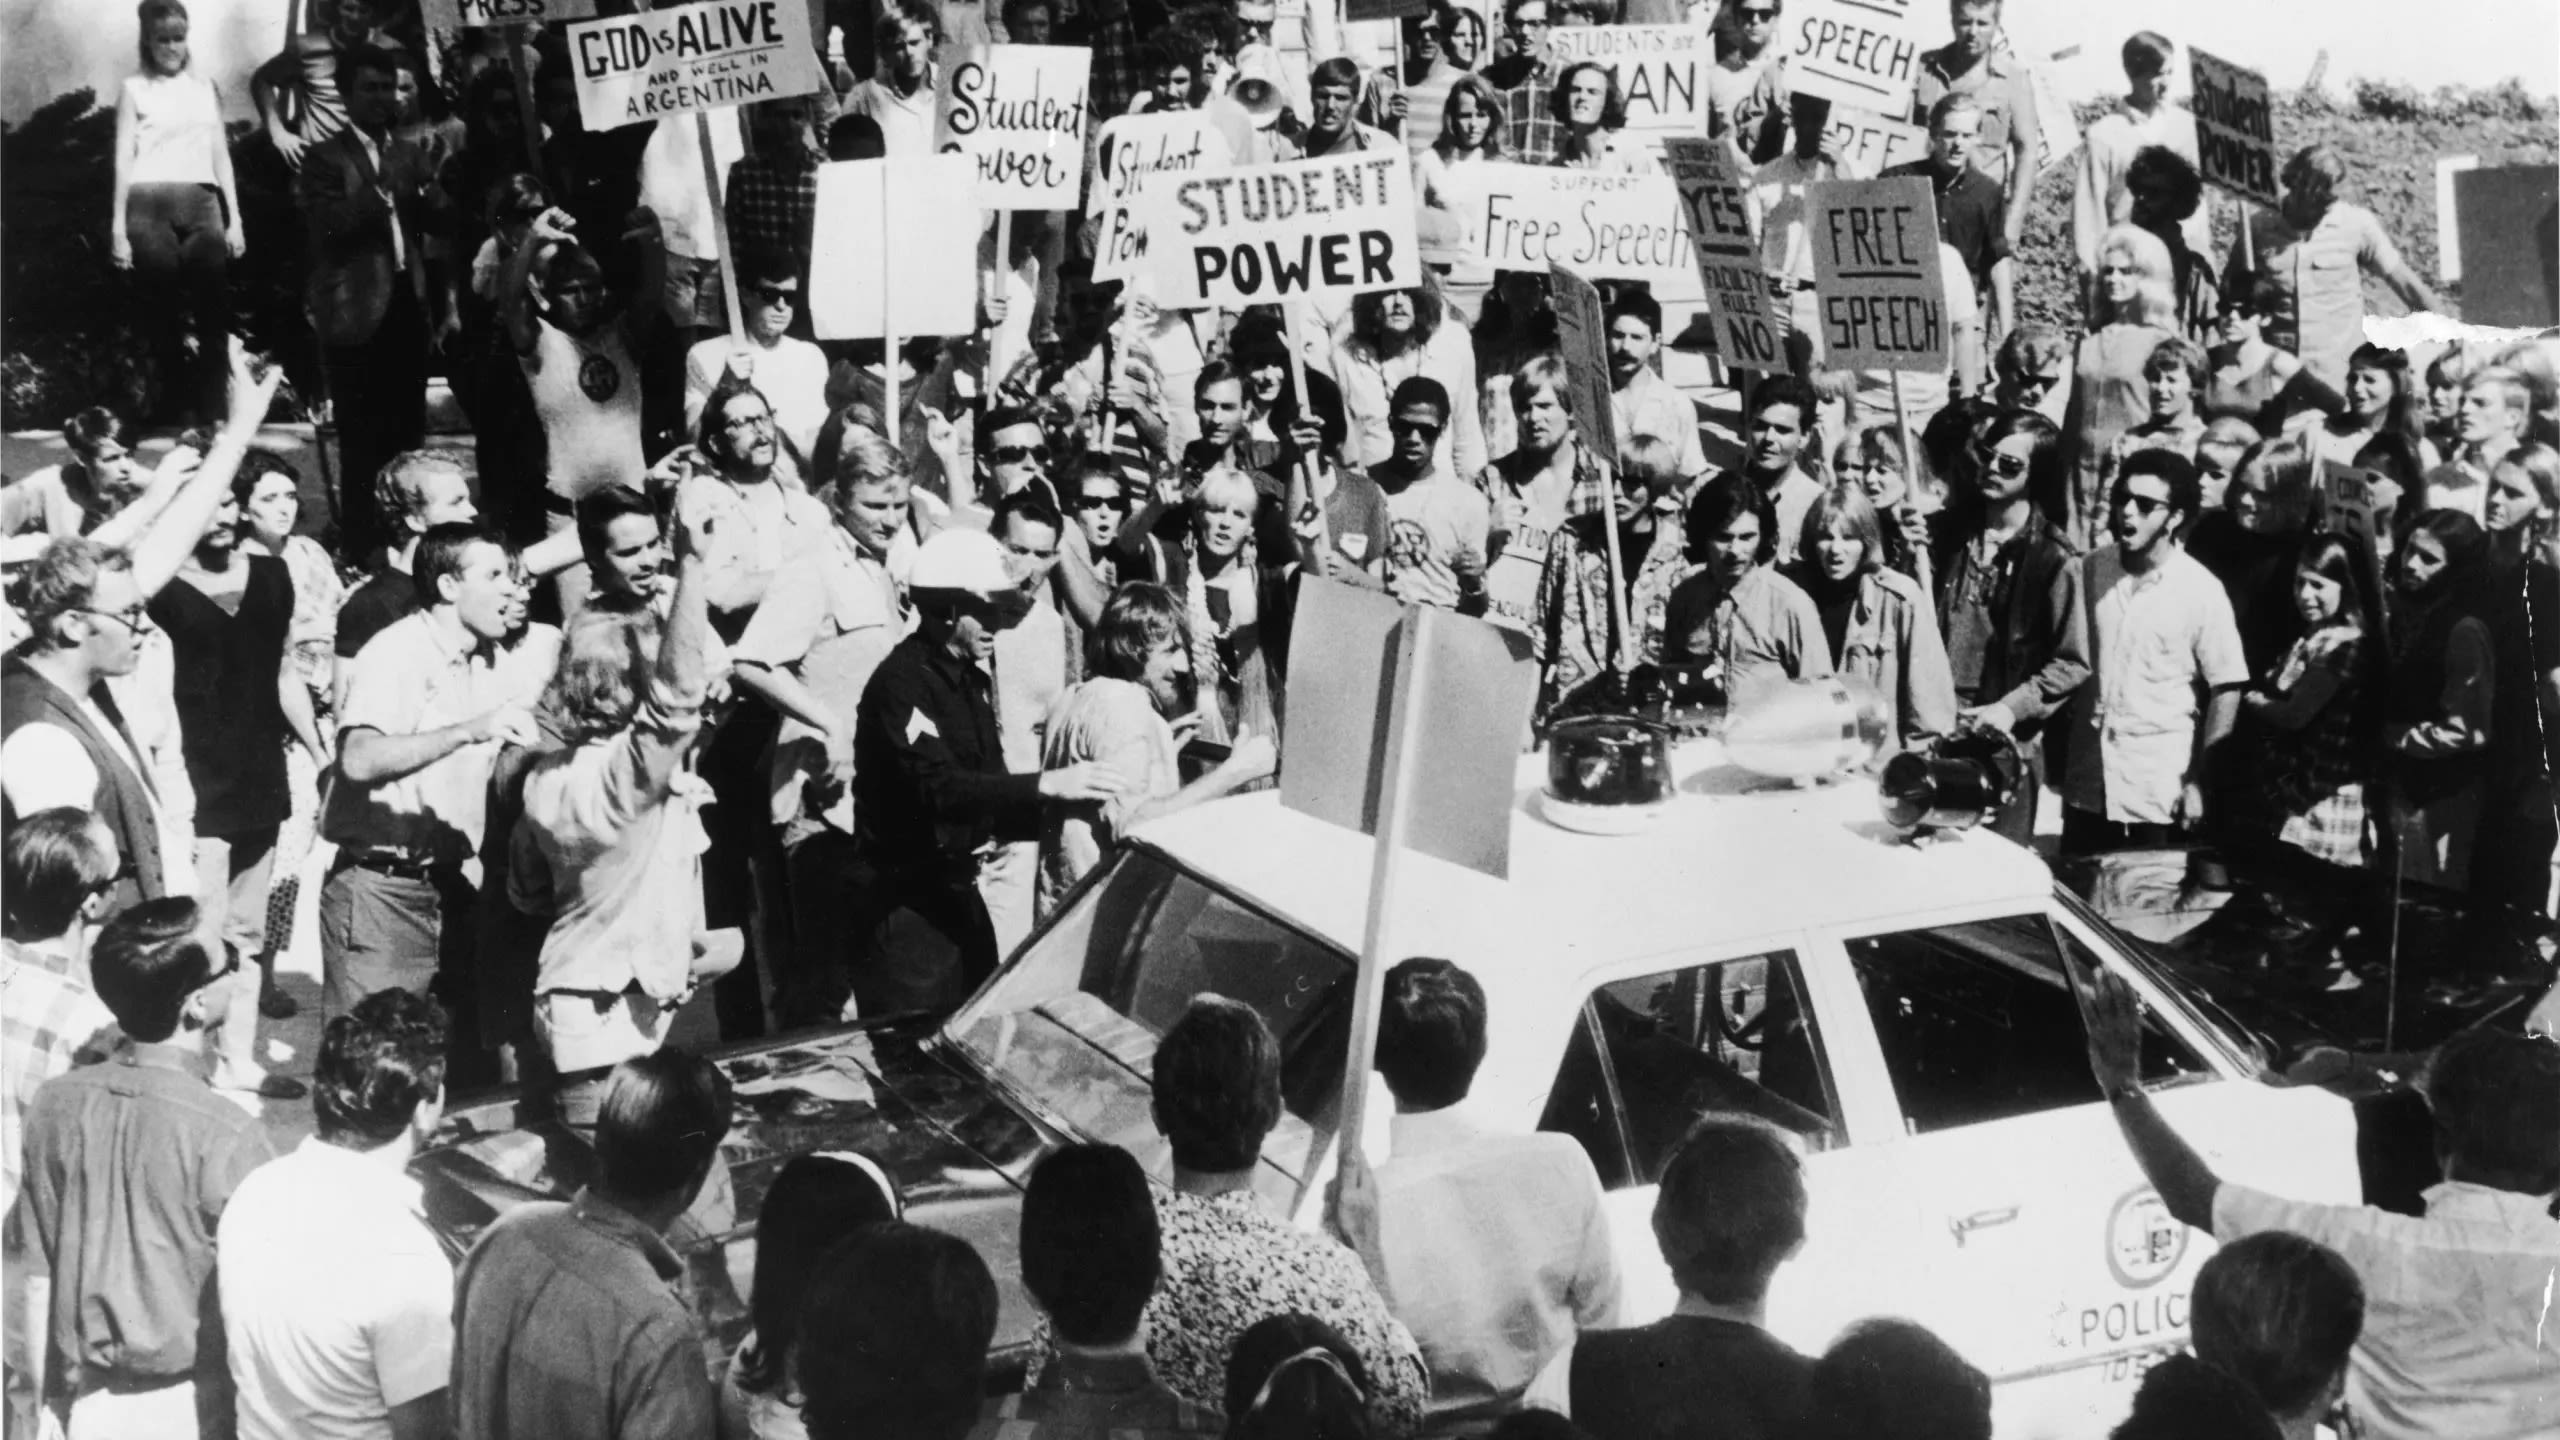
[959, 561]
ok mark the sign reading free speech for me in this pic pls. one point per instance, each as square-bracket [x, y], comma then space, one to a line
[1303, 229]
[706, 56]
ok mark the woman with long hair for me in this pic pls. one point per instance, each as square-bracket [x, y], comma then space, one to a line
[2306, 718]
[1590, 111]
[174, 217]
[1449, 183]
[2440, 697]
[1876, 620]
[2381, 398]
[2252, 377]
[2135, 310]
[817, 1201]
[1394, 336]
[2251, 542]
[2520, 832]
[1872, 458]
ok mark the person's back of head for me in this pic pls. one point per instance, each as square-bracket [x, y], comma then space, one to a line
[400, 489]
[1895, 1377]
[2495, 1095]
[1431, 1019]
[1294, 1377]
[2183, 1398]
[816, 1203]
[1091, 1246]
[381, 1071]
[903, 1316]
[148, 966]
[1217, 1086]
[1731, 1209]
[659, 1126]
[2279, 1312]
[59, 870]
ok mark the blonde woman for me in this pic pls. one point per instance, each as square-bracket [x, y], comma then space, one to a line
[174, 220]
[2136, 311]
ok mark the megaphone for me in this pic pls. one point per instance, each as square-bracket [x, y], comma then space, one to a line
[1955, 782]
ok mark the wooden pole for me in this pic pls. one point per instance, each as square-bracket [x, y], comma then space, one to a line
[519, 44]
[1395, 810]
[1305, 476]
[1004, 272]
[720, 224]
[1626, 646]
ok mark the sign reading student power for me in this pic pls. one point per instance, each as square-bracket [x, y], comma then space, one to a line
[2235, 128]
[1300, 230]
[1860, 52]
[706, 56]
[1136, 149]
[1019, 111]
[1882, 298]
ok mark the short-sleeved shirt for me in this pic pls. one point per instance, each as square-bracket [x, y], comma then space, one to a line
[1742, 96]
[2457, 1305]
[829, 618]
[906, 123]
[410, 680]
[48, 1017]
[568, 1325]
[1116, 722]
[336, 1298]
[1356, 521]
[1434, 519]
[2319, 275]
[128, 1167]
[389, 595]
[2157, 641]
[2000, 83]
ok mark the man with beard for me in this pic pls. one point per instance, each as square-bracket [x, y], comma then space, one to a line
[1773, 435]
[1137, 682]
[2160, 633]
[1648, 406]
[741, 480]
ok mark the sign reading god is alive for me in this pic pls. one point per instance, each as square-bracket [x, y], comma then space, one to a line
[1303, 229]
[1601, 224]
[691, 58]
[1661, 70]
[1748, 329]
[2235, 128]
[1860, 52]
[1019, 111]
[1879, 292]
[1137, 148]
[479, 14]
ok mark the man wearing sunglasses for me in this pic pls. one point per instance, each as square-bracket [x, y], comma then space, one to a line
[2160, 633]
[791, 373]
[1747, 88]
[1439, 527]
[1014, 452]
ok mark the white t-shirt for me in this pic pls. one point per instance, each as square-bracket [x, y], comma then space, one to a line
[587, 391]
[336, 1298]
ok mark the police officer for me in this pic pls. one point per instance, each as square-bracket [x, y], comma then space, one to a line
[930, 788]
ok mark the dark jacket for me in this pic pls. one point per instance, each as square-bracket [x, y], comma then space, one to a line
[2039, 651]
[124, 799]
[353, 268]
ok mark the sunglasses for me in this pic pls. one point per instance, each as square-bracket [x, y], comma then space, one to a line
[1016, 454]
[2145, 505]
[1415, 427]
[774, 295]
[1095, 502]
[1755, 15]
[2005, 465]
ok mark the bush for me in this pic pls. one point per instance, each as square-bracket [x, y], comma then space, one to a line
[68, 344]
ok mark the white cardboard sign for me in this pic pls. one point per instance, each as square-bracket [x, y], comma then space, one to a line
[1880, 296]
[1661, 70]
[897, 253]
[1298, 230]
[1870, 144]
[1864, 53]
[1138, 150]
[1019, 112]
[1600, 224]
[690, 58]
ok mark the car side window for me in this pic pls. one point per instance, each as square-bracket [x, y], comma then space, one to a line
[1977, 1022]
[1653, 1053]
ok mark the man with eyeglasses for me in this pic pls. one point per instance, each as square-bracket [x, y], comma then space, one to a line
[792, 373]
[2033, 371]
[1526, 78]
[1014, 452]
[1440, 528]
[1747, 87]
[2160, 632]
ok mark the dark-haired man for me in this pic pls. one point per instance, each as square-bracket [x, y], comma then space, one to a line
[129, 1165]
[1440, 529]
[2161, 632]
[1492, 1247]
[567, 1321]
[1228, 1261]
[1775, 426]
[337, 1299]
[416, 492]
[2281, 1313]
[1648, 406]
[1091, 1257]
[60, 867]
[1730, 1212]
[2457, 1301]
[1979, 63]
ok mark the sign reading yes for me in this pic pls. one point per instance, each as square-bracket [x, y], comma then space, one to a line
[1302, 229]
[1748, 329]
[1019, 111]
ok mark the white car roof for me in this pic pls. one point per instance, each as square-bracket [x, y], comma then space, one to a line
[1735, 857]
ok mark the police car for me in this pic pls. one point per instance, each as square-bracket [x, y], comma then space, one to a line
[1905, 1009]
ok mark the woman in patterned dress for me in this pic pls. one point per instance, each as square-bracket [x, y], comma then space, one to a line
[2310, 713]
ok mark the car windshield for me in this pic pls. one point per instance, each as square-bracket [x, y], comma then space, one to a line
[1070, 1026]
[2174, 978]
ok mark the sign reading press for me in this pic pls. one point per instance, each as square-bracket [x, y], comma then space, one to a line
[1300, 230]
[695, 57]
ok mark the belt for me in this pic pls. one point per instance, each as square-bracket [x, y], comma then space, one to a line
[380, 862]
[558, 504]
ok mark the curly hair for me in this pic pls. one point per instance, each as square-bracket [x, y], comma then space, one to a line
[1613, 111]
[1369, 309]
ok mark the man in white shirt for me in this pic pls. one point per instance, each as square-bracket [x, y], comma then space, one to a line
[2160, 631]
[1030, 672]
[791, 373]
[1439, 529]
[2496, 402]
[2456, 1338]
[336, 1298]
[899, 95]
[1646, 404]
[1492, 1247]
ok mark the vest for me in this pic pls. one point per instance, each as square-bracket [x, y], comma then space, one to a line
[124, 799]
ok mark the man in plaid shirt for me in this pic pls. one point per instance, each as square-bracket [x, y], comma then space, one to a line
[1525, 77]
[60, 868]
[773, 192]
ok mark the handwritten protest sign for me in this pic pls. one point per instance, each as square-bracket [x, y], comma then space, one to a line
[1860, 52]
[1661, 70]
[897, 253]
[1582, 337]
[690, 59]
[1870, 144]
[1019, 112]
[1604, 224]
[1880, 294]
[2235, 128]
[478, 14]
[1748, 327]
[1136, 148]
[1302, 229]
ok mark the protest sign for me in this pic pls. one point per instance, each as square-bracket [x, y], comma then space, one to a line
[1870, 144]
[1019, 112]
[478, 14]
[1604, 224]
[2235, 128]
[1878, 287]
[1747, 327]
[1582, 337]
[691, 58]
[896, 254]
[1661, 70]
[1860, 52]
[1136, 148]
[2508, 224]
[1299, 230]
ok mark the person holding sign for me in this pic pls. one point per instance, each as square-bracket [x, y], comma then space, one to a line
[1574, 637]
[1551, 473]
[2317, 249]
[1979, 63]
[1736, 618]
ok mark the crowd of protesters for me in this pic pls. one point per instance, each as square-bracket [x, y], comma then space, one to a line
[777, 682]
